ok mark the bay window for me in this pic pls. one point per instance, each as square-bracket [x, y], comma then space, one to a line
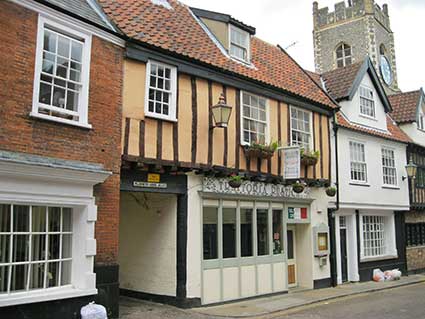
[61, 74]
[35, 247]
[377, 236]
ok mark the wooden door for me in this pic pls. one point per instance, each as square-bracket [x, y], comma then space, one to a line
[292, 263]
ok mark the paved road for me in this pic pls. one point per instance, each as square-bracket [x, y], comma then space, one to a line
[399, 303]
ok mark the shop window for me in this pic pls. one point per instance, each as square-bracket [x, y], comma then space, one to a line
[210, 233]
[415, 234]
[277, 232]
[246, 232]
[262, 232]
[35, 247]
[229, 232]
[62, 74]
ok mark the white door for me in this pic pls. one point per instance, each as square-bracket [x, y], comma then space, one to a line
[292, 262]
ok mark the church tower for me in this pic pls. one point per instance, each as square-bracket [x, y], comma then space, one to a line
[350, 33]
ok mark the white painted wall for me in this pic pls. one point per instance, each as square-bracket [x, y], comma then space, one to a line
[147, 252]
[373, 195]
[352, 108]
[412, 130]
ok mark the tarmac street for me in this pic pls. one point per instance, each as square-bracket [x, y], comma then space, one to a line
[403, 302]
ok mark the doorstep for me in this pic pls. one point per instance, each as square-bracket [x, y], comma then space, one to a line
[268, 305]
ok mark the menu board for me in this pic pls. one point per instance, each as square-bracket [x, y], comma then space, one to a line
[291, 162]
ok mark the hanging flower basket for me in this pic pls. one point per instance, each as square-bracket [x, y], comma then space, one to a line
[263, 151]
[309, 158]
[331, 191]
[235, 181]
[298, 187]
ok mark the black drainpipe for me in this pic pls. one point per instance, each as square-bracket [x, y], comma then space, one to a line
[331, 211]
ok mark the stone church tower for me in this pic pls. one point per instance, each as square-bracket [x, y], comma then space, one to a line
[350, 33]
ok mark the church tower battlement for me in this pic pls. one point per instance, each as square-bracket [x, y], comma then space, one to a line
[351, 32]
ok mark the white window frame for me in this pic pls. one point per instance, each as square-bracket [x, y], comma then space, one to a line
[267, 122]
[389, 234]
[70, 31]
[172, 116]
[247, 48]
[354, 181]
[389, 149]
[344, 57]
[421, 117]
[291, 107]
[361, 96]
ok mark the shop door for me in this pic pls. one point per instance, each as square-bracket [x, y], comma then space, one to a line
[343, 243]
[292, 263]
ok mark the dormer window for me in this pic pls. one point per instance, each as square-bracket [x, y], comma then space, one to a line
[421, 120]
[239, 44]
[367, 103]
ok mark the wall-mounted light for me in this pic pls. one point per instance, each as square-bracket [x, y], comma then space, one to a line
[411, 169]
[221, 112]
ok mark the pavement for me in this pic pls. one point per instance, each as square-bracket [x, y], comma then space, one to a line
[293, 302]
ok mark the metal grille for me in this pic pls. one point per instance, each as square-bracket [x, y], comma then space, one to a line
[415, 234]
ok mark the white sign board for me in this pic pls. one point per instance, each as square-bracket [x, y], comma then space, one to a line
[291, 162]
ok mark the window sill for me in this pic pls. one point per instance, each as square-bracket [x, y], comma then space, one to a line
[369, 259]
[390, 187]
[60, 120]
[368, 117]
[162, 118]
[359, 184]
[415, 247]
[44, 295]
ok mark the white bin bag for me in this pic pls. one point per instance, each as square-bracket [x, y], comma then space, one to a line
[93, 311]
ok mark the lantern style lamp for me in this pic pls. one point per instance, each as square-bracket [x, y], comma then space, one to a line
[221, 112]
[411, 169]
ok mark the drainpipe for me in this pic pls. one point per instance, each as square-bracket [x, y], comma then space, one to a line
[331, 211]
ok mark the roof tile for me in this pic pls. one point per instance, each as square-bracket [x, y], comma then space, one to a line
[404, 106]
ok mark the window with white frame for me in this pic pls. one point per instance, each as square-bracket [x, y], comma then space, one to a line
[374, 243]
[367, 102]
[389, 170]
[62, 74]
[421, 119]
[161, 87]
[301, 130]
[254, 119]
[239, 44]
[358, 167]
[343, 55]
[35, 247]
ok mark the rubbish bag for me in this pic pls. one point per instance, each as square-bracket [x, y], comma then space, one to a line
[93, 311]
[378, 275]
[394, 274]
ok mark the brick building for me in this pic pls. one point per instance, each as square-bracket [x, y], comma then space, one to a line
[60, 125]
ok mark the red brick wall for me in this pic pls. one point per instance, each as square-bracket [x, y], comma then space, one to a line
[101, 144]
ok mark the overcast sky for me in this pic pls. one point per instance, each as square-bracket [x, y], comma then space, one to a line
[287, 21]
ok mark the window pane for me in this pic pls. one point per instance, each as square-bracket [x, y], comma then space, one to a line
[77, 51]
[63, 46]
[50, 39]
[53, 274]
[277, 232]
[38, 247]
[262, 232]
[246, 232]
[21, 218]
[66, 273]
[66, 246]
[4, 275]
[67, 219]
[20, 248]
[19, 277]
[54, 243]
[37, 276]
[4, 218]
[229, 232]
[39, 219]
[54, 219]
[4, 248]
[210, 232]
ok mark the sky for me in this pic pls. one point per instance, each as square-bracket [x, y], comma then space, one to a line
[286, 22]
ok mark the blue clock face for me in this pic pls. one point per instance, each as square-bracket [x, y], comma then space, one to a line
[386, 72]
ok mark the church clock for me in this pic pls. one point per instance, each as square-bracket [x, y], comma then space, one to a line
[386, 72]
